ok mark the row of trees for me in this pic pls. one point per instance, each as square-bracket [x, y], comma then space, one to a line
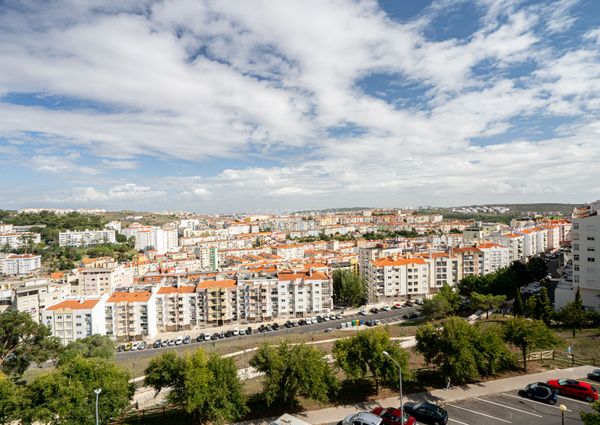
[448, 302]
[504, 281]
[349, 289]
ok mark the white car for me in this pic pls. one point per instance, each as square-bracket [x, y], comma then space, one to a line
[236, 332]
[309, 321]
[386, 308]
[179, 340]
[135, 346]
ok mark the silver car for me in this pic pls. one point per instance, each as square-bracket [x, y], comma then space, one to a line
[362, 418]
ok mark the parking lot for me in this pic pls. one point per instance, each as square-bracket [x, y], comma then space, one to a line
[508, 407]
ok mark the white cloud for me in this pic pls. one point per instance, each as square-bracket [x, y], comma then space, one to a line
[53, 164]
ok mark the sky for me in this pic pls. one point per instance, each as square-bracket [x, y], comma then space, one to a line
[269, 105]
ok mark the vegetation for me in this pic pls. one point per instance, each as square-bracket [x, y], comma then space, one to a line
[487, 302]
[21, 342]
[388, 234]
[528, 335]
[10, 400]
[442, 304]
[206, 387]
[66, 396]
[98, 346]
[591, 418]
[573, 315]
[518, 308]
[503, 282]
[293, 371]
[464, 352]
[537, 268]
[363, 354]
[543, 307]
[349, 289]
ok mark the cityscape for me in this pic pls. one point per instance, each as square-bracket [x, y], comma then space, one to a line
[300, 213]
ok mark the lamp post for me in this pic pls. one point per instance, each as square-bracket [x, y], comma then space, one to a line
[563, 409]
[385, 353]
[97, 392]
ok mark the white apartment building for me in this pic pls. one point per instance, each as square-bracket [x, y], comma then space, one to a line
[34, 297]
[70, 320]
[162, 240]
[586, 254]
[300, 293]
[17, 240]
[86, 237]
[20, 265]
[131, 315]
[179, 308]
[514, 242]
[495, 257]
[397, 278]
[96, 281]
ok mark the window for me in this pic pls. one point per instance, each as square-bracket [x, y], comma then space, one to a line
[575, 247]
[575, 226]
[591, 249]
[575, 257]
[591, 238]
[591, 260]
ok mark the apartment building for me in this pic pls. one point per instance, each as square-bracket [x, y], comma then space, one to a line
[75, 319]
[179, 308]
[17, 240]
[471, 261]
[86, 237]
[131, 315]
[515, 243]
[443, 268]
[586, 254]
[301, 293]
[104, 280]
[34, 297]
[393, 279]
[162, 239]
[218, 301]
[495, 257]
[20, 265]
[209, 257]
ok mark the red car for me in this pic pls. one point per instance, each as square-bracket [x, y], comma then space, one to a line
[573, 388]
[392, 416]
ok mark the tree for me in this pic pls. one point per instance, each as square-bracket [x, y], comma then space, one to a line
[362, 354]
[348, 288]
[487, 302]
[573, 316]
[20, 341]
[528, 335]
[292, 371]
[435, 308]
[591, 418]
[518, 308]
[543, 308]
[67, 397]
[208, 388]
[537, 268]
[10, 400]
[50, 348]
[99, 346]
[450, 294]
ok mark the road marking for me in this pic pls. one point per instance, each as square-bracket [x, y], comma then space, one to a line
[572, 399]
[538, 403]
[479, 413]
[507, 407]
[458, 422]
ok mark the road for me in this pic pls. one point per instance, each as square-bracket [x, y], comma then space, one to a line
[319, 328]
[509, 408]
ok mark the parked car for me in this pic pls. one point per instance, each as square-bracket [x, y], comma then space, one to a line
[157, 343]
[171, 342]
[338, 316]
[214, 336]
[369, 323]
[275, 326]
[343, 325]
[200, 337]
[397, 306]
[428, 413]
[235, 332]
[179, 340]
[363, 312]
[187, 339]
[309, 321]
[288, 324]
[164, 343]
[301, 322]
[386, 308]
[374, 310]
[128, 346]
[221, 335]
[135, 346]
[574, 388]
[393, 416]
[249, 331]
[376, 322]
[268, 328]
[540, 391]
[408, 303]
[595, 375]
[419, 301]
[362, 418]
[328, 330]
[319, 319]
[142, 345]
[120, 348]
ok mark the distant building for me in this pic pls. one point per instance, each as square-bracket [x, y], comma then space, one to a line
[17, 240]
[20, 265]
[86, 237]
[75, 319]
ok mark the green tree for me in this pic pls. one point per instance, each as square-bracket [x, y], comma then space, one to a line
[537, 268]
[99, 346]
[543, 307]
[435, 308]
[573, 316]
[591, 418]
[349, 288]
[208, 388]
[487, 302]
[528, 335]
[518, 308]
[67, 397]
[292, 371]
[20, 341]
[529, 309]
[10, 400]
[362, 354]
[450, 294]
[50, 348]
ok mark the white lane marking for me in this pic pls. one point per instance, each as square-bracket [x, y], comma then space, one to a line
[458, 422]
[538, 403]
[479, 413]
[576, 401]
[507, 407]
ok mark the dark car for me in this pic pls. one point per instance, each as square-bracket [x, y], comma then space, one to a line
[540, 391]
[268, 328]
[595, 375]
[200, 338]
[120, 348]
[156, 343]
[428, 413]
[393, 416]
[302, 322]
[574, 388]
[275, 326]
[214, 336]
[221, 335]
[249, 331]
[374, 310]
[288, 324]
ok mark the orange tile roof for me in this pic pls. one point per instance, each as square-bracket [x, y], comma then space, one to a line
[489, 245]
[56, 275]
[129, 297]
[74, 305]
[390, 262]
[302, 275]
[212, 284]
[187, 289]
[512, 235]
[466, 249]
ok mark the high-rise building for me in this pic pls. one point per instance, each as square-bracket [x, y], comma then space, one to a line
[586, 254]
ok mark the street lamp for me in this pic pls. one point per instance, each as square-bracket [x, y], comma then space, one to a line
[97, 392]
[385, 353]
[563, 409]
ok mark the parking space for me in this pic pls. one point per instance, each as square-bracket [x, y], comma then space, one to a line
[510, 408]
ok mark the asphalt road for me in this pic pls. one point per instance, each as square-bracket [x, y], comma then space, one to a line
[384, 316]
[509, 408]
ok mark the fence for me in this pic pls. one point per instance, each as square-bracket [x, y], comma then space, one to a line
[559, 356]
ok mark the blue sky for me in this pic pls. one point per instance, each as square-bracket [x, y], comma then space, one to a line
[226, 106]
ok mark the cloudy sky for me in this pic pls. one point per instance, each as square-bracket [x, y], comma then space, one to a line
[218, 106]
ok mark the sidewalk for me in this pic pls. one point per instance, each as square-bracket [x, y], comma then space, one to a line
[335, 414]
